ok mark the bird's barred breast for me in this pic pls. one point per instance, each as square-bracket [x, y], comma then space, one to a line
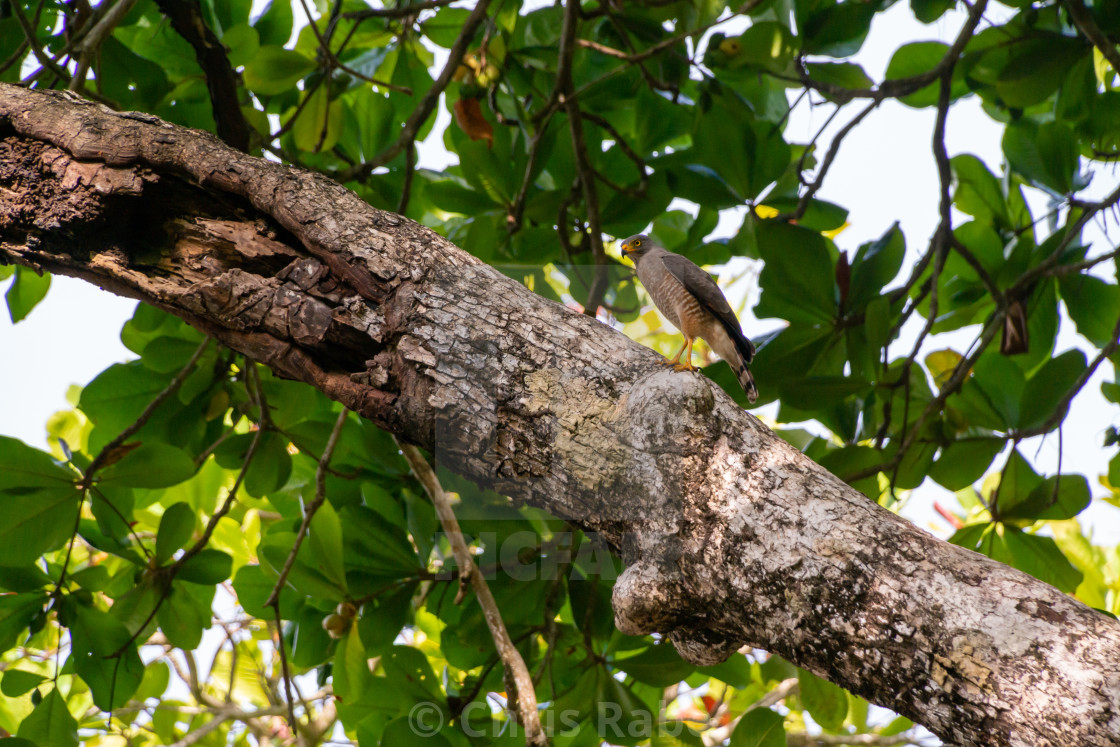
[679, 306]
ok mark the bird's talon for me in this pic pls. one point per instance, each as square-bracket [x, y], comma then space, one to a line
[683, 367]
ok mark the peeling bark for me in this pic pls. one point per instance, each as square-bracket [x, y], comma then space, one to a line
[730, 536]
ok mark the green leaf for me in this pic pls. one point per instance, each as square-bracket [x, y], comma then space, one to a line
[25, 292]
[311, 644]
[834, 29]
[375, 544]
[183, 617]
[351, 667]
[797, 280]
[875, 264]
[383, 617]
[1036, 68]
[1057, 497]
[454, 197]
[275, 70]
[119, 394]
[826, 703]
[660, 666]
[151, 465]
[175, 528]
[15, 682]
[208, 567]
[318, 125]
[917, 58]
[1048, 387]
[325, 544]
[303, 578]
[106, 657]
[748, 157]
[16, 613]
[242, 41]
[253, 587]
[274, 24]
[1046, 154]
[40, 503]
[445, 26]
[928, 11]
[978, 191]
[844, 74]
[50, 724]
[759, 728]
[1094, 306]
[962, 463]
[1034, 554]
[813, 392]
[271, 466]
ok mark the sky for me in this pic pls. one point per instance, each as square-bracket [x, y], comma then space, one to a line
[885, 172]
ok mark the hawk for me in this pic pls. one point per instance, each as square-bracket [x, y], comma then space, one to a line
[694, 304]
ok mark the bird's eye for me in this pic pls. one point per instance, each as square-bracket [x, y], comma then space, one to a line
[637, 243]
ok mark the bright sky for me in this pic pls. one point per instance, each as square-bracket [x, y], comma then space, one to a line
[885, 172]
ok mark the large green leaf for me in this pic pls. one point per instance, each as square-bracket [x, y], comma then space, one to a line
[797, 280]
[759, 728]
[274, 70]
[825, 702]
[40, 502]
[1044, 154]
[875, 264]
[106, 656]
[25, 292]
[1094, 306]
[962, 463]
[50, 724]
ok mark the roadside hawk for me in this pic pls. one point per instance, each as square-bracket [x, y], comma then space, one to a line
[694, 304]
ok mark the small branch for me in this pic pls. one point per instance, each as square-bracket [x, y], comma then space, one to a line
[826, 164]
[91, 43]
[427, 104]
[1063, 406]
[583, 162]
[518, 682]
[309, 512]
[402, 12]
[900, 87]
[781, 691]
[1087, 25]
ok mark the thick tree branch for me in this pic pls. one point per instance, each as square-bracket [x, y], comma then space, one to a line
[730, 536]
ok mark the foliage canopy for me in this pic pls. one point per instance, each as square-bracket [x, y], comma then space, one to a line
[177, 485]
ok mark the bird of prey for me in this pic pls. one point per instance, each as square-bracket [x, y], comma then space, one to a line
[694, 304]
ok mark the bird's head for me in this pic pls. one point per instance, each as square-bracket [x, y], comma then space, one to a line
[636, 246]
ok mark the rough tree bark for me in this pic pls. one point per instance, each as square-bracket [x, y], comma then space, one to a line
[729, 535]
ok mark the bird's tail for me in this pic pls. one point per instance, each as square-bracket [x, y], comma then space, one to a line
[740, 360]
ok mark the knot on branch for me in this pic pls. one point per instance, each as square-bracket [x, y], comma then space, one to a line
[647, 598]
[704, 648]
[667, 404]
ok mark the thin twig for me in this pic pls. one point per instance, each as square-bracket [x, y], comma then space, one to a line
[519, 683]
[401, 12]
[428, 103]
[309, 512]
[159, 399]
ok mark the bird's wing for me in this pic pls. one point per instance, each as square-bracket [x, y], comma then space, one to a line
[700, 284]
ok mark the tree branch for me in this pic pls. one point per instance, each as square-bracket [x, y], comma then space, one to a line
[519, 683]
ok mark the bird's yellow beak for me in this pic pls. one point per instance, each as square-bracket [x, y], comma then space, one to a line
[625, 248]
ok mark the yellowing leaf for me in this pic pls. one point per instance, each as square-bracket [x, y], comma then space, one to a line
[319, 124]
[941, 364]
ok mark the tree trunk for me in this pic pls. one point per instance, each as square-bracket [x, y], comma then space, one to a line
[730, 536]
